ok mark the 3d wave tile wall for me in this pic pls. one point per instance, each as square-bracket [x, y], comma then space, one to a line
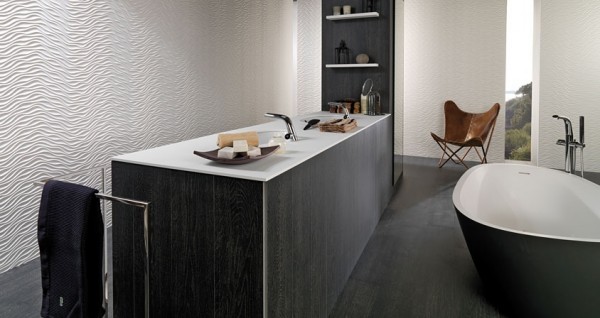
[569, 79]
[309, 56]
[452, 50]
[83, 81]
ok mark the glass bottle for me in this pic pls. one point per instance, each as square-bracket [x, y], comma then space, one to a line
[370, 5]
[374, 103]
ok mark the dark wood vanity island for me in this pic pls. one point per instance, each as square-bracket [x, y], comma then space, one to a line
[277, 237]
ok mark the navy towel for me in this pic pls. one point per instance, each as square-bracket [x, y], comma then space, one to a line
[70, 237]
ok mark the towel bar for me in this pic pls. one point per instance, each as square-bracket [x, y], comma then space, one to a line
[140, 204]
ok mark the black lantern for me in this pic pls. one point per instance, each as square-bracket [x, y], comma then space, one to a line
[370, 5]
[342, 54]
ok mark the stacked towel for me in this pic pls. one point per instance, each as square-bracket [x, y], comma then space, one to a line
[338, 125]
[70, 237]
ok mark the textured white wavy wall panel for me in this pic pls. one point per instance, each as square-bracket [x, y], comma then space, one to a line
[263, 54]
[309, 56]
[83, 81]
[453, 50]
[276, 69]
[569, 78]
[399, 78]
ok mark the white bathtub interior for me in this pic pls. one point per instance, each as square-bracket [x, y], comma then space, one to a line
[530, 199]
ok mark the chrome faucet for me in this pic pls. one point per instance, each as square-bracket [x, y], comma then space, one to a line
[337, 105]
[571, 145]
[345, 110]
[290, 128]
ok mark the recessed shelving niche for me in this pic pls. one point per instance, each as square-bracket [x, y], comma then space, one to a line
[370, 33]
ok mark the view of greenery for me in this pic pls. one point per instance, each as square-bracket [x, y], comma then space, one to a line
[518, 125]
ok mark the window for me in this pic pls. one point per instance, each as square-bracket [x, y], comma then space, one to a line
[519, 72]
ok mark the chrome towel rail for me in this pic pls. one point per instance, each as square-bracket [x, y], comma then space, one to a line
[136, 203]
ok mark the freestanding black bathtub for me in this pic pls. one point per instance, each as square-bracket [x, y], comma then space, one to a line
[534, 236]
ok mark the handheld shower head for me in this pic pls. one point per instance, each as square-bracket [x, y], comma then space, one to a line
[581, 130]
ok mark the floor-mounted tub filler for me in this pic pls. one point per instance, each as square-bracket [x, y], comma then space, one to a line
[534, 236]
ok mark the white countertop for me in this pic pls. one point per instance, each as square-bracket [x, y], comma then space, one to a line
[180, 156]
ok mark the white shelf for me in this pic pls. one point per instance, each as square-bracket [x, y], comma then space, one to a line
[353, 16]
[351, 65]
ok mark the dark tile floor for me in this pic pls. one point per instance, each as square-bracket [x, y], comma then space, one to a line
[21, 290]
[415, 265]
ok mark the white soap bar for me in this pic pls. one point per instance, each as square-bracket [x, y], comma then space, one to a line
[240, 145]
[226, 153]
[254, 151]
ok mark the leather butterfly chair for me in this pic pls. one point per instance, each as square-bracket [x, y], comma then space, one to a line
[466, 130]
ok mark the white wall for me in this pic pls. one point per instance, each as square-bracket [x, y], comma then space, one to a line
[309, 56]
[453, 50]
[569, 77]
[81, 82]
[399, 78]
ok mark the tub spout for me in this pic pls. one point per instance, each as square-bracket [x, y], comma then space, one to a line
[571, 145]
[569, 155]
[568, 125]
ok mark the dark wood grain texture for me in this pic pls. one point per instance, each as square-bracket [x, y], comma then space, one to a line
[206, 244]
[336, 200]
[128, 249]
[207, 233]
[192, 224]
[373, 36]
[280, 237]
[238, 254]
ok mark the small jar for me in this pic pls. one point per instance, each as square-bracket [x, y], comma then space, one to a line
[278, 139]
[364, 104]
[334, 107]
[356, 108]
